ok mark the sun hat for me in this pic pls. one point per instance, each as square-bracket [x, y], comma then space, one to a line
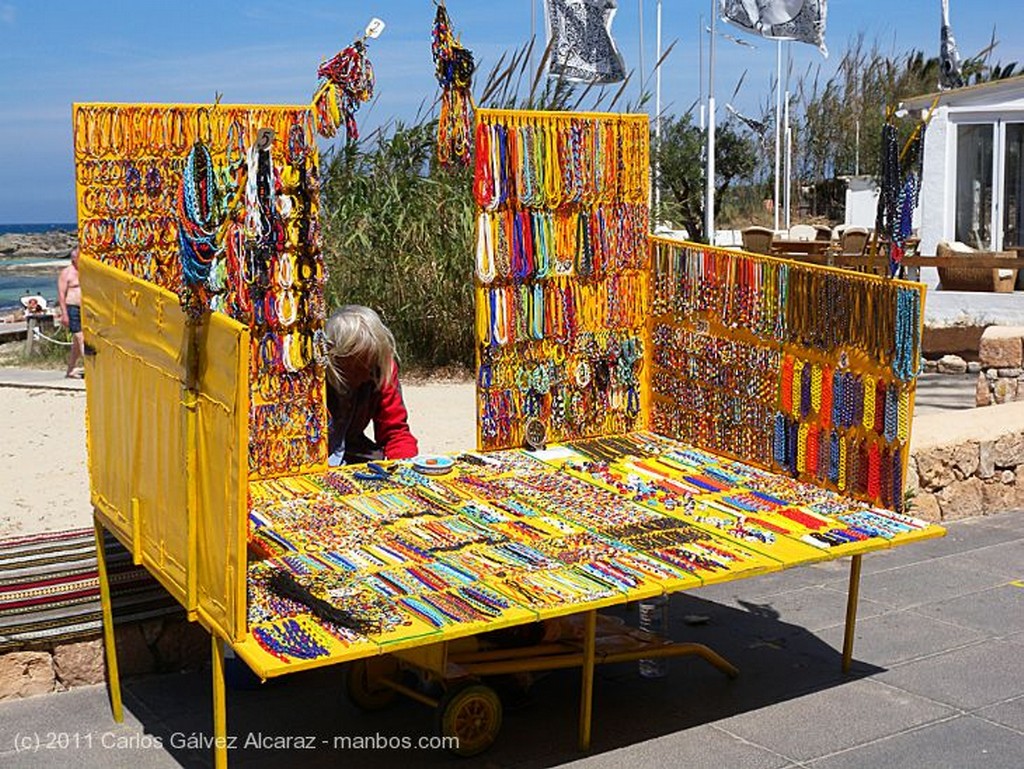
[39, 299]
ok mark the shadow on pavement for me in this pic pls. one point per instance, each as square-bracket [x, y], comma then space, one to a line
[777, 661]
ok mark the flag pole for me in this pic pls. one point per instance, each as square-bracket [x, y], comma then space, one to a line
[643, 75]
[709, 204]
[657, 126]
[776, 200]
[533, 33]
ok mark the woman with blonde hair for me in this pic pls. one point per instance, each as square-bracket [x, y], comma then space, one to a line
[363, 387]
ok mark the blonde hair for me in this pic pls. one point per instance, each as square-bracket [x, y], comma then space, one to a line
[357, 331]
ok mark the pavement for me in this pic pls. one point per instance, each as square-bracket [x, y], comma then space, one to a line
[39, 379]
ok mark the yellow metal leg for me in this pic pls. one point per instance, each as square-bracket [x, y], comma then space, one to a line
[587, 697]
[852, 595]
[109, 644]
[220, 716]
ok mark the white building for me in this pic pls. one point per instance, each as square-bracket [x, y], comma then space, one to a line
[972, 186]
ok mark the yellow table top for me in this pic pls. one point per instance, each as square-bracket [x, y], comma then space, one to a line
[403, 559]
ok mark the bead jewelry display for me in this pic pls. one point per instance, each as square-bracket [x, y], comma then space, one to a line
[775, 362]
[453, 67]
[183, 197]
[561, 274]
[506, 531]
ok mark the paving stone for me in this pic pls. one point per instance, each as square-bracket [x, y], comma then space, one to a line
[996, 611]
[858, 712]
[1010, 713]
[1004, 559]
[967, 678]
[889, 639]
[965, 742]
[925, 582]
[703, 747]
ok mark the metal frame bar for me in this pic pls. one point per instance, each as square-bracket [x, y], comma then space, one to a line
[852, 595]
[109, 642]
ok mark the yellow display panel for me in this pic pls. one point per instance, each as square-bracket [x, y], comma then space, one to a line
[167, 407]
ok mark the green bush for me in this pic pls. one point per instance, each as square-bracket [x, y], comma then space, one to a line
[398, 237]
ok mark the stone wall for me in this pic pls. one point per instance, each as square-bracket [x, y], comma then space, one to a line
[967, 463]
[1001, 375]
[153, 646]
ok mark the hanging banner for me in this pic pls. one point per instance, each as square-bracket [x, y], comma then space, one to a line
[800, 20]
[580, 38]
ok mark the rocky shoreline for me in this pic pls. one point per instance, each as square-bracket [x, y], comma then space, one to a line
[56, 244]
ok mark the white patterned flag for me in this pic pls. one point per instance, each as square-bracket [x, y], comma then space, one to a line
[800, 20]
[580, 37]
[951, 71]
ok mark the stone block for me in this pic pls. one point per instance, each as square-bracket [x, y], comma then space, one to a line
[952, 364]
[1001, 346]
[25, 674]
[913, 482]
[134, 656]
[997, 497]
[1009, 373]
[962, 499]
[930, 366]
[935, 467]
[1008, 450]
[926, 507]
[182, 646]
[991, 374]
[973, 367]
[79, 664]
[1005, 390]
[1007, 476]
[986, 459]
[965, 458]
[982, 392]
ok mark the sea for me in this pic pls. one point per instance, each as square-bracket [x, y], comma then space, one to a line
[15, 284]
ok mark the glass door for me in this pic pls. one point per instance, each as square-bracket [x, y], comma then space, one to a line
[1013, 186]
[974, 148]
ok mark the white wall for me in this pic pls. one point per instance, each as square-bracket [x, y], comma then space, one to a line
[861, 202]
[937, 189]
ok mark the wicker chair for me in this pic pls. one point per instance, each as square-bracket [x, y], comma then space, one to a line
[803, 232]
[758, 240]
[959, 278]
[853, 241]
[822, 232]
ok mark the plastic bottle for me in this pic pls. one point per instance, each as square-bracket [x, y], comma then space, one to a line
[654, 619]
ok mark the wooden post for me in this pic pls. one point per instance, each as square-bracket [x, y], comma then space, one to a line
[31, 324]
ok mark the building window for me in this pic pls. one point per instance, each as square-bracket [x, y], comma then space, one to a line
[974, 146]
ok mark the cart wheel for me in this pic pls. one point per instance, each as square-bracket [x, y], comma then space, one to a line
[363, 682]
[472, 714]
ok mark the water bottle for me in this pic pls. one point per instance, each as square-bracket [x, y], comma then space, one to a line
[654, 619]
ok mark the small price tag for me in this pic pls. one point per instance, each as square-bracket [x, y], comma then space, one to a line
[374, 28]
[264, 138]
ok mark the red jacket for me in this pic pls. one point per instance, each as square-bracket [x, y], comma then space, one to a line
[385, 408]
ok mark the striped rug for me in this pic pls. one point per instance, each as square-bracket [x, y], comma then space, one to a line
[49, 588]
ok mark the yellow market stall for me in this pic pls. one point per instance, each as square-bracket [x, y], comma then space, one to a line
[653, 416]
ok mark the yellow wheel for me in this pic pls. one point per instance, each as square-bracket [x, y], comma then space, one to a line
[363, 683]
[470, 713]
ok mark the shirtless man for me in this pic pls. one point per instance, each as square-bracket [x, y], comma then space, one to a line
[69, 293]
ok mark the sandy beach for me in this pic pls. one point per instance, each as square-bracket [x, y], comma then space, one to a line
[43, 470]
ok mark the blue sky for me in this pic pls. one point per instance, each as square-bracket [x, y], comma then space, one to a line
[56, 52]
